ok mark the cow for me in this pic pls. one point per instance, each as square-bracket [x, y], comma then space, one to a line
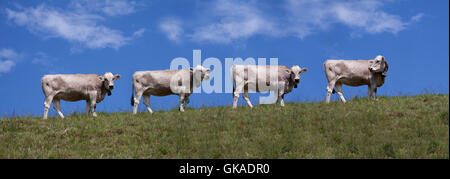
[166, 82]
[355, 73]
[76, 87]
[281, 80]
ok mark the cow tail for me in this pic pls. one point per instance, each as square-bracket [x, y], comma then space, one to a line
[232, 80]
[132, 95]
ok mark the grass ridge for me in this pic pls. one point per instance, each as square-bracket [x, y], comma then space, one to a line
[394, 127]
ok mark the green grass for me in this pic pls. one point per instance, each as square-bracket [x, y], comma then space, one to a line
[396, 127]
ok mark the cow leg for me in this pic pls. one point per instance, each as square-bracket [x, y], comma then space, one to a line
[282, 100]
[374, 93]
[330, 89]
[235, 100]
[237, 93]
[370, 90]
[182, 102]
[339, 91]
[93, 107]
[186, 100]
[88, 107]
[276, 97]
[280, 95]
[56, 105]
[47, 103]
[137, 98]
[247, 98]
[147, 103]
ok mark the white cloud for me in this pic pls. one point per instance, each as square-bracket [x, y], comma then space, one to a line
[8, 53]
[119, 7]
[236, 20]
[417, 17]
[172, 28]
[108, 7]
[368, 16]
[43, 59]
[8, 59]
[75, 26]
[6, 66]
[139, 32]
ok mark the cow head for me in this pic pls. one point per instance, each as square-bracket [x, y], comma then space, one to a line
[108, 81]
[378, 65]
[295, 74]
[200, 73]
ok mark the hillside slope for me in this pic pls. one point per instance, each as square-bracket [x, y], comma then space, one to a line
[396, 127]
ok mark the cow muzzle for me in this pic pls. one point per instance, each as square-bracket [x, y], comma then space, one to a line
[297, 80]
[111, 87]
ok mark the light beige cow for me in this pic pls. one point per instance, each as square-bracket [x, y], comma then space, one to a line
[280, 79]
[166, 82]
[76, 87]
[355, 73]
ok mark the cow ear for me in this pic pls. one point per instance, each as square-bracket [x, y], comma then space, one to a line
[101, 78]
[288, 71]
[304, 70]
[117, 76]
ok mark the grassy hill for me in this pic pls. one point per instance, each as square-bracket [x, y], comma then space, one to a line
[396, 127]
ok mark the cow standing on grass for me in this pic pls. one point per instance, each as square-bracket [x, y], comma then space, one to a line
[89, 87]
[259, 79]
[355, 73]
[166, 82]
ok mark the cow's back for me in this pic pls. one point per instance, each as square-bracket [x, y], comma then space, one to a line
[259, 71]
[349, 72]
[70, 87]
[343, 67]
[73, 82]
[253, 76]
[157, 83]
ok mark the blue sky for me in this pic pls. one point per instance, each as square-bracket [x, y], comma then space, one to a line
[97, 36]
